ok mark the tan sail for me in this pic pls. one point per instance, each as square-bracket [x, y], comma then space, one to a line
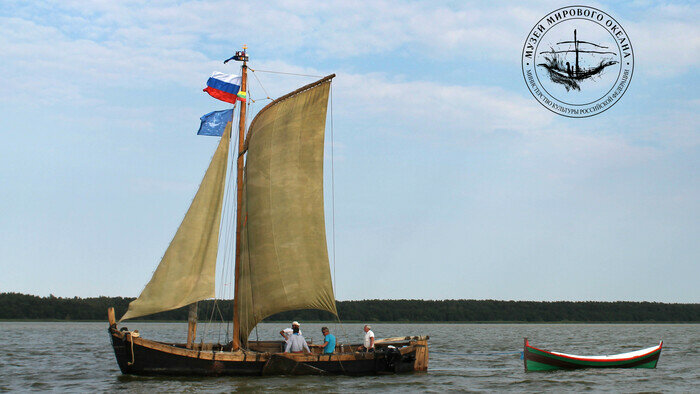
[186, 274]
[284, 260]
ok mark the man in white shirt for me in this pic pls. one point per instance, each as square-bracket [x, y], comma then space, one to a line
[296, 342]
[287, 332]
[368, 345]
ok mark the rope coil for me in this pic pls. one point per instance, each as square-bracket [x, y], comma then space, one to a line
[130, 335]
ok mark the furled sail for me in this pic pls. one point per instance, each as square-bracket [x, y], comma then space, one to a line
[284, 260]
[186, 274]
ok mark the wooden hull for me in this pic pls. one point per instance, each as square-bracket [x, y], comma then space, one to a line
[541, 360]
[140, 356]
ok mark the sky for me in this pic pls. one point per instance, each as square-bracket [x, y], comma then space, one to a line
[450, 181]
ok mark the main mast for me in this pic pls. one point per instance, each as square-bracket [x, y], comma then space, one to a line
[240, 56]
[576, 70]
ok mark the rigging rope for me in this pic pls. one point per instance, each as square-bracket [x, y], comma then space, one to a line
[207, 325]
[252, 299]
[261, 85]
[335, 283]
[224, 235]
[280, 72]
[333, 189]
[230, 246]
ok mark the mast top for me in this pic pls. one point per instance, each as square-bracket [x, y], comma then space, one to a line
[240, 56]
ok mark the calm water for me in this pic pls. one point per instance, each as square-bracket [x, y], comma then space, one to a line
[464, 357]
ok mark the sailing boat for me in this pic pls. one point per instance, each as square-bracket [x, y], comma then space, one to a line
[573, 74]
[281, 260]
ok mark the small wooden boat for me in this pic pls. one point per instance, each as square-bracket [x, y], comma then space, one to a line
[541, 360]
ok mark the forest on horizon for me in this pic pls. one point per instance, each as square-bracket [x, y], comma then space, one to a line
[16, 306]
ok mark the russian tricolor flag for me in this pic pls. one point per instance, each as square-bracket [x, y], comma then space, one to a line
[225, 87]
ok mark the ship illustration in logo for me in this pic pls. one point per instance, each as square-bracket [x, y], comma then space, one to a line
[590, 61]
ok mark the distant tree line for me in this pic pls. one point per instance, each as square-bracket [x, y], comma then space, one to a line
[28, 307]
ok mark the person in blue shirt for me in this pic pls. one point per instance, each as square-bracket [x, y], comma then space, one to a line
[329, 341]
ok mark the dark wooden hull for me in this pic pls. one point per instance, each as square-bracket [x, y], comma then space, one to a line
[138, 356]
[541, 360]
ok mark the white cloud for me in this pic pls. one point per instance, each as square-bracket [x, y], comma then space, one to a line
[665, 39]
[72, 44]
[47, 65]
[125, 46]
[573, 153]
[434, 109]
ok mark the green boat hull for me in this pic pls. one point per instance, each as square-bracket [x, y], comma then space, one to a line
[541, 360]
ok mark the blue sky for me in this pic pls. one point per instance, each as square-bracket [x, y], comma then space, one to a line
[451, 181]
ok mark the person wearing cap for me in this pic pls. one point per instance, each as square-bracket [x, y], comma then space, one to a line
[368, 345]
[296, 342]
[287, 332]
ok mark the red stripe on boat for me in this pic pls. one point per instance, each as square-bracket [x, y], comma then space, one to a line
[597, 359]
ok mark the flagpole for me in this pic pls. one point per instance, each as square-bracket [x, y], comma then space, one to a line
[239, 197]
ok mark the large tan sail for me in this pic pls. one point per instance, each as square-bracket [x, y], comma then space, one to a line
[284, 260]
[186, 274]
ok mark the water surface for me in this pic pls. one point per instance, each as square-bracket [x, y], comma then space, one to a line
[463, 357]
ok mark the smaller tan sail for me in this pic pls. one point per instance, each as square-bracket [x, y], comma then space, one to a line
[186, 274]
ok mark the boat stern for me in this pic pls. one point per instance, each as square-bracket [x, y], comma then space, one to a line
[421, 362]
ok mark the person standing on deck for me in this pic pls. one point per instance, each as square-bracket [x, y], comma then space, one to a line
[329, 341]
[296, 342]
[368, 345]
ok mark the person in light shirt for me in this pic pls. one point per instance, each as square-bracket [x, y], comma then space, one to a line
[287, 332]
[296, 342]
[368, 345]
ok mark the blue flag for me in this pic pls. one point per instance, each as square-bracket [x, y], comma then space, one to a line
[215, 122]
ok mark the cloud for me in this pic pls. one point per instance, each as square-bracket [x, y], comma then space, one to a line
[433, 109]
[666, 41]
[470, 115]
[339, 29]
[574, 153]
[47, 65]
[72, 45]
[71, 52]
